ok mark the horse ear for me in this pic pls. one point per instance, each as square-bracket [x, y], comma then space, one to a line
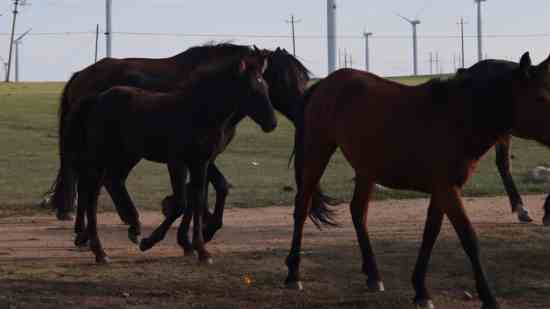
[256, 49]
[242, 66]
[525, 64]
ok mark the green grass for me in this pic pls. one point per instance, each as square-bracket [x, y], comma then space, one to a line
[28, 159]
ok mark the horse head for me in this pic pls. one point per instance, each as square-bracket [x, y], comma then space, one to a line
[531, 100]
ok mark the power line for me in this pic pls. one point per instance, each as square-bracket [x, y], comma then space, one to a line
[286, 36]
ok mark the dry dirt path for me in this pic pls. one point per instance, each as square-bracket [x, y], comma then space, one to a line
[256, 233]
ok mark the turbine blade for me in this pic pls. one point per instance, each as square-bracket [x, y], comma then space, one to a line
[405, 18]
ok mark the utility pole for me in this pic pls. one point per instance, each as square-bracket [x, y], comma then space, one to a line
[108, 32]
[431, 63]
[461, 23]
[15, 5]
[331, 35]
[17, 42]
[292, 21]
[96, 42]
[345, 58]
[437, 68]
[367, 52]
[479, 31]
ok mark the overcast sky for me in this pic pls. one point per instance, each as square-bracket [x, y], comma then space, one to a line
[62, 39]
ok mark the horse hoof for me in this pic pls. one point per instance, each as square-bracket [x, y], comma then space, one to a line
[377, 286]
[523, 217]
[81, 241]
[64, 216]
[490, 306]
[145, 244]
[546, 221]
[102, 260]
[295, 285]
[424, 304]
[206, 261]
[133, 237]
[188, 253]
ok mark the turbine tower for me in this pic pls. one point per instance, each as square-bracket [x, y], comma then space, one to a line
[331, 35]
[479, 32]
[17, 42]
[108, 31]
[414, 23]
[367, 51]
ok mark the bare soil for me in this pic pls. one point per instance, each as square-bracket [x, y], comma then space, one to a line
[40, 268]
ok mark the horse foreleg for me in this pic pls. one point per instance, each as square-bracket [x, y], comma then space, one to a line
[502, 158]
[178, 175]
[81, 239]
[125, 207]
[221, 186]
[359, 208]
[546, 218]
[198, 173]
[431, 231]
[450, 202]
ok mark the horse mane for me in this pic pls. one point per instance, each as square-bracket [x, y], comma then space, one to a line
[198, 55]
[291, 71]
[487, 105]
[205, 74]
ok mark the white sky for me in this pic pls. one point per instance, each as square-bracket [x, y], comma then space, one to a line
[519, 26]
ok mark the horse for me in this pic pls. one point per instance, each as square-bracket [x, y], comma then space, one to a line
[184, 129]
[427, 138]
[286, 75]
[480, 72]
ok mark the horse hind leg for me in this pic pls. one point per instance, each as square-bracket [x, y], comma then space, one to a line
[312, 166]
[88, 187]
[359, 208]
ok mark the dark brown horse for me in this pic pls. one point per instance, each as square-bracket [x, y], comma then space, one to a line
[480, 73]
[427, 138]
[286, 76]
[184, 129]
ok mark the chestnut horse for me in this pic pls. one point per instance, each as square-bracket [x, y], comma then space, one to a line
[184, 129]
[479, 73]
[286, 76]
[427, 138]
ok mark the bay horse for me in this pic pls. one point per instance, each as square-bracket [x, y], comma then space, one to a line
[427, 138]
[286, 76]
[480, 73]
[183, 128]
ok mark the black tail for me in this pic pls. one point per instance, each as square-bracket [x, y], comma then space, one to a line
[320, 213]
[63, 190]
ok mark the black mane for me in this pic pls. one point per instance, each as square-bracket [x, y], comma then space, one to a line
[198, 55]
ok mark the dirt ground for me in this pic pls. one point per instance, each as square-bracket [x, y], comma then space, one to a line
[41, 269]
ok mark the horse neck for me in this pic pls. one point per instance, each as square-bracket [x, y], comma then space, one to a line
[216, 109]
[487, 114]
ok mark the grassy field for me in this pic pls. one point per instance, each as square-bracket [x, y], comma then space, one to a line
[255, 163]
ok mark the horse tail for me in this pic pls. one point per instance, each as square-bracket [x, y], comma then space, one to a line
[63, 190]
[320, 213]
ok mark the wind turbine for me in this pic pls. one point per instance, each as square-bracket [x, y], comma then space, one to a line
[4, 65]
[414, 23]
[17, 42]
